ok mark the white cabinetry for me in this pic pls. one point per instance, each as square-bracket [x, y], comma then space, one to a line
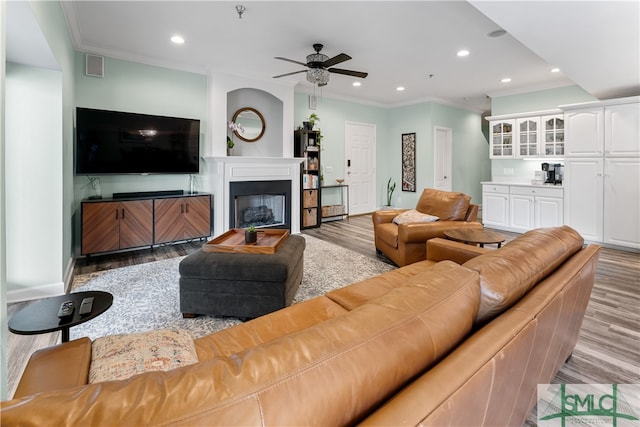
[584, 197]
[521, 207]
[602, 171]
[535, 207]
[495, 205]
[527, 135]
[585, 132]
[622, 201]
[501, 145]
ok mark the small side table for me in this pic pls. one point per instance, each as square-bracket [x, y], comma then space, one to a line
[41, 316]
[481, 237]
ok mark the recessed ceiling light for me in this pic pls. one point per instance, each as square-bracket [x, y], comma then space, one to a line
[356, 84]
[177, 39]
[506, 80]
[400, 88]
[555, 70]
[463, 52]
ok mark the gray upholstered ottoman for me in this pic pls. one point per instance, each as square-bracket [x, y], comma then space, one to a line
[241, 285]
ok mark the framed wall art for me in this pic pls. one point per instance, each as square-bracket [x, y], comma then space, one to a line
[409, 162]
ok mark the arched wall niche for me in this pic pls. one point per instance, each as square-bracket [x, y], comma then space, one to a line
[278, 113]
[271, 108]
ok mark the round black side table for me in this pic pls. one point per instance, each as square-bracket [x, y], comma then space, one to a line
[41, 316]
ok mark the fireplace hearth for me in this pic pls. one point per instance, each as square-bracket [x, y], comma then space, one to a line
[263, 204]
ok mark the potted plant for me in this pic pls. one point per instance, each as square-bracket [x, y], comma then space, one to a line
[230, 145]
[250, 234]
[390, 189]
[313, 118]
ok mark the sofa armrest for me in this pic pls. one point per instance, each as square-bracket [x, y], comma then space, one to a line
[385, 216]
[440, 249]
[62, 366]
[421, 232]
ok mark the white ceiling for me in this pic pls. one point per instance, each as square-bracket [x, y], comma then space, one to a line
[594, 43]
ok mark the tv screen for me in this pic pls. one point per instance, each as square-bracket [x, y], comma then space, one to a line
[113, 142]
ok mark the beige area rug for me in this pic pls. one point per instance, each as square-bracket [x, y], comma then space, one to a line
[145, 296]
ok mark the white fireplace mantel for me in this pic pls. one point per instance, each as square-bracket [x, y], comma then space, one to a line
[223, 170]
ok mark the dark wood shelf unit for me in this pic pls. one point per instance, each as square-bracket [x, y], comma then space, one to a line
[307, 145]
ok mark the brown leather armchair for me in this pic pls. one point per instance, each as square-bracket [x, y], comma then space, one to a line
[406, 243]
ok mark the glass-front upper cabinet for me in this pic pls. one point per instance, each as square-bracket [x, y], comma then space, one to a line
[553, 135]
[502, 139]
[528, 136]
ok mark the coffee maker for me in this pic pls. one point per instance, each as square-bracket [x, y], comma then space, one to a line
[553, 173]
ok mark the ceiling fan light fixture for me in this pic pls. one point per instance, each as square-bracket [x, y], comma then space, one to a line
[318, 76]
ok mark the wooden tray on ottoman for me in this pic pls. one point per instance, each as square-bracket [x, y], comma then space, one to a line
[232, 241]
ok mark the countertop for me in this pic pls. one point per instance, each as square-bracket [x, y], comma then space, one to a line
[522, 184]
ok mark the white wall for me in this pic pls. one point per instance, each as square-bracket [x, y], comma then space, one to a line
[3, 284]
[33, 179]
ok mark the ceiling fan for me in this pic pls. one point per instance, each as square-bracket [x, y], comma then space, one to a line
[320, 65]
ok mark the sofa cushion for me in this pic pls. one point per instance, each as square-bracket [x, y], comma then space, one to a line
[447, 205]
[506, 274]
[412, 216]
[359, 293]
[117, 357]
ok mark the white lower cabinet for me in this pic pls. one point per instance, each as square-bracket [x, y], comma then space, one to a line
[495, 205]
[521, 207]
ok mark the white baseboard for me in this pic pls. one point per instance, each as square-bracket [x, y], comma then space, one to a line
[35, 292]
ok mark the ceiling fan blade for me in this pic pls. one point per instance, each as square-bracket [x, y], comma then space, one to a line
[336, 60]
[348, 72]
[291, 60]
[288, 74]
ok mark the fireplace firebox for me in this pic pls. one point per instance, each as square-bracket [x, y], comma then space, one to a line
[263, 204]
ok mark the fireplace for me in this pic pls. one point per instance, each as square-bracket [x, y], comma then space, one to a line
[263, 204]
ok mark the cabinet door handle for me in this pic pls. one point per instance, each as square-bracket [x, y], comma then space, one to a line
[186, 207]
[122, 213]
[181, 208]
[116, 214]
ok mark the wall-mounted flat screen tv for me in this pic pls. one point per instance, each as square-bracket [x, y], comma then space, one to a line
[114, 142]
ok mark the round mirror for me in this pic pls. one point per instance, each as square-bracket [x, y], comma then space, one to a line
[252, 123]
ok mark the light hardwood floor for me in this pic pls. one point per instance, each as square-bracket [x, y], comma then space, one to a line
[608, 349]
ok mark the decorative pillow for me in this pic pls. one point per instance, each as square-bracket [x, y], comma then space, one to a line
[118, 357]
[413, 216]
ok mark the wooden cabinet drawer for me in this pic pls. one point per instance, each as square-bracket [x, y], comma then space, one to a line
[309, 217]
[310, 199]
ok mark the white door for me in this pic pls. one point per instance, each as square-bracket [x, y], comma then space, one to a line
[360, 159]
[442, 156]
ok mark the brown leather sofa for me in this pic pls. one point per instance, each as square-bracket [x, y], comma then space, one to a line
[405, 243]
[432, 343]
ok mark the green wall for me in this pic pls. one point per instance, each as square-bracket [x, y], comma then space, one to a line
[540, 100]
[138, 88]
[54, 27]
[470, 151]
